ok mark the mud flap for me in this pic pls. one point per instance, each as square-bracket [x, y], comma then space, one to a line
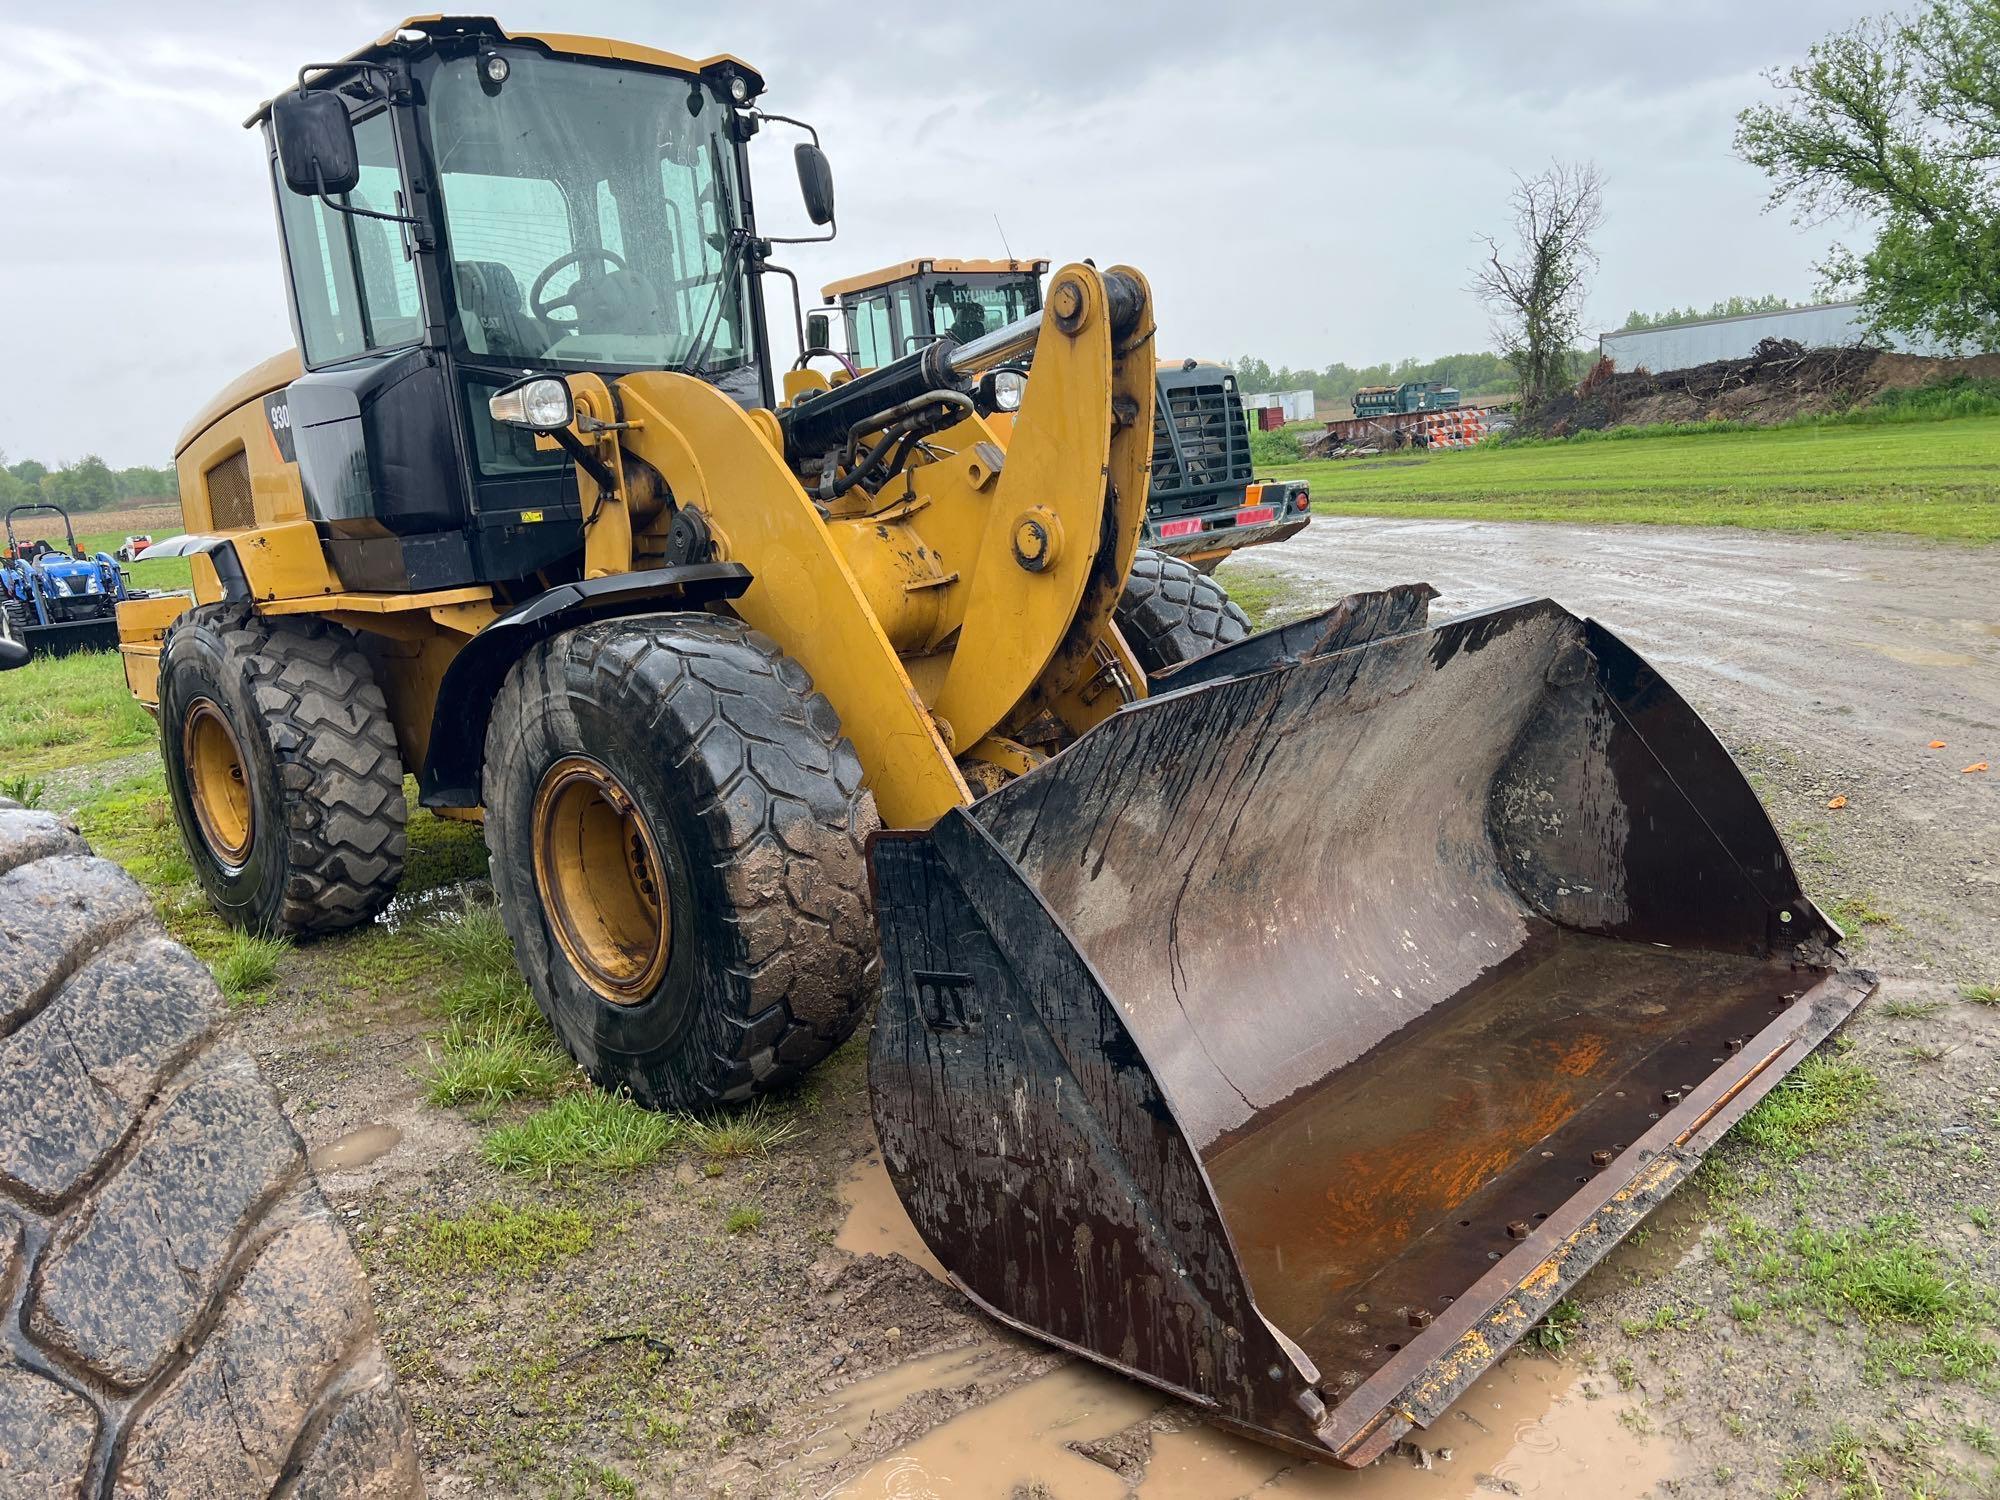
[1294, 1040]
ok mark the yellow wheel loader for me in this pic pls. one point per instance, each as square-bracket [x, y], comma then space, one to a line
[1288, 1026]
[1204, 499]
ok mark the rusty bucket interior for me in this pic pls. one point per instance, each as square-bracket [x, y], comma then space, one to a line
[1382, 971]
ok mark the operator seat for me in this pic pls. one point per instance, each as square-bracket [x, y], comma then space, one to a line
[496, 316]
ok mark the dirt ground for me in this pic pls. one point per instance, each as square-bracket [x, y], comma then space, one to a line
[1782, 381]
[762, 1324]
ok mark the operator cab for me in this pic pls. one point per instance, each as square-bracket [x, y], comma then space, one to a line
[887, 314]
[462, 208]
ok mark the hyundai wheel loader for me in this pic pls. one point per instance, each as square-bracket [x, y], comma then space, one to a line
[1204, 499]
[1287, 1026]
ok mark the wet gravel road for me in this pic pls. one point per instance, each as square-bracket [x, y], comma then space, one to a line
[1837, 660]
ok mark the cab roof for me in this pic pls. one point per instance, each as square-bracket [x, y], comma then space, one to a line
[867, 281]
[486, 28]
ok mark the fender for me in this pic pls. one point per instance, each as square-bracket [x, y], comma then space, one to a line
[457, 755]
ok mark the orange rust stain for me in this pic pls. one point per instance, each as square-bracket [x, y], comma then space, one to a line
[1578, 1056]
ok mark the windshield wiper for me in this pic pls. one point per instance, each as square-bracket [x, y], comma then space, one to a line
[711, 318]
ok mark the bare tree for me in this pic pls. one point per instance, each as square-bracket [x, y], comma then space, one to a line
[1535, 289]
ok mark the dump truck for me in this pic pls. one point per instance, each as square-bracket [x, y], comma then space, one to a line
[1287, 1026]
[1206, 500]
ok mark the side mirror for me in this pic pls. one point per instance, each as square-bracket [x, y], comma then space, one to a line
[819, 329]
[815, 181]
[315, 142]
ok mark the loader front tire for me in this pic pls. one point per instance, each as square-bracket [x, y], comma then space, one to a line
[282, 769]
[1171, 612]
[185, 1314]
[676, 825]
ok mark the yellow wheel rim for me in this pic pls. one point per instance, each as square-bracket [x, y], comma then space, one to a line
[601, 880]
[217, 782]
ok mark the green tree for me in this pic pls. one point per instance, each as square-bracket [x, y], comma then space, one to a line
[142, 483]
[1898, 122]
[87, 484]
[1730, 307]
[29, 472]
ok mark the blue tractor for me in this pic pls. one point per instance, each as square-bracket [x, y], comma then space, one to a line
[58, 599]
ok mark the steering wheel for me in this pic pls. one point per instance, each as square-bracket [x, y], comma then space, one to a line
[542, 309]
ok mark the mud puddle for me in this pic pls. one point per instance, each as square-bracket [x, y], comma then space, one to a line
[414, 908]
[1017, 1442]
[1533, 1426]
[357, 1148]
[876, 1223]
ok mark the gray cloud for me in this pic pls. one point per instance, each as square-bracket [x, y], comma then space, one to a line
[1302, 187]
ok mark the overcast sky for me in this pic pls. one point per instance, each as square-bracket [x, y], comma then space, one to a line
[1303, 183]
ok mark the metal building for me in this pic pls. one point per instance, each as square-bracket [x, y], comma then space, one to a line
[1829, 325]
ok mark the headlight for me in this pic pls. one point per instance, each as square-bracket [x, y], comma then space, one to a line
[1003, 388]
[540, 404]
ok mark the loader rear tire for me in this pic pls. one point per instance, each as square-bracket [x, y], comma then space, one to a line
[185, 1315]
[282, 769]
[1171, 612]
[676, 825]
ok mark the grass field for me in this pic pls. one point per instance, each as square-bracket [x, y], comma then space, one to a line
[1935, 479]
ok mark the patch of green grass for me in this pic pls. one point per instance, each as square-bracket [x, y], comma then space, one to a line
[1822, 1093]
[586, 1131]
[62, 711]
[481, 999]
[473, 939]
[443, 851]
[1854, 914]
[1909, 1010]
[744, 1219]
[1926, 477]
[1559, 1328]
[1981, 1217]
[489, 1065]
[247, 966]
[496, 1237]
[1267, 598]
[754, 1131]
[1664, 1317]
[1981, 994]
[1842, 1462]
[24, 789]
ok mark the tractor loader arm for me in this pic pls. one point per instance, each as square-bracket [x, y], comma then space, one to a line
[969, 592]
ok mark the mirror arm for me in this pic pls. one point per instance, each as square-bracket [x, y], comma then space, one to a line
[787, 120]
[423, 239]
[798, 302]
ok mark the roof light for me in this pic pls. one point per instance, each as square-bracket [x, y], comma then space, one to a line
[739, 88]
[496, 67]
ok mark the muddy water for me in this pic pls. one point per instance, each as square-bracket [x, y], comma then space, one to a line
[1541, 1426]
[1530, 1427]
[356, 1149]
[876, 1223]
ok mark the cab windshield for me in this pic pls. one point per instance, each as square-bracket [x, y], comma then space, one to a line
[591, 214]
[963, 309]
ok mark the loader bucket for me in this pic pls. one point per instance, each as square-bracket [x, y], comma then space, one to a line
[1294, 1040]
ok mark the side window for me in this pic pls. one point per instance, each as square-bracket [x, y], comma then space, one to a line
[322, 277]
[908, 334]
[871, 332]
[388, 278]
